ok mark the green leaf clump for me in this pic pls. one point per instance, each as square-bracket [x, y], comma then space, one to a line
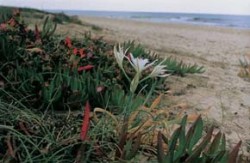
[193, 147]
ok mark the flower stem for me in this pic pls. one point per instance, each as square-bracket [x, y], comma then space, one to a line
[144, 79]
[126, 75]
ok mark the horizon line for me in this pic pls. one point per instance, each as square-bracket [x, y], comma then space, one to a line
[172, 12]
[142, 11]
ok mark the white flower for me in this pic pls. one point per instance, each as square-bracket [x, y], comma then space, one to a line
[119, 55]
[158, 71]
[140, 64]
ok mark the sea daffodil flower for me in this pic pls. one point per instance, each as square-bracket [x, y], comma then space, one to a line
[119, 55]
[87, 67]
[140, 64]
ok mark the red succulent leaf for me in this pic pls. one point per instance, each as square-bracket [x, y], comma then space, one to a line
[3, 27]
[100, 89]
[82, 53]
[68, 42]
[37, 33]
[88, 67]
[75, 51]
[90, 55]
[85, 122]
[12, 22]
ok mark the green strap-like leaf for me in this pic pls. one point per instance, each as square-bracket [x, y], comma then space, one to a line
[218, 157]
[223, 143]
[182, 140]
[172, 144]
[214, 147]
[197, 151]
[194, 134]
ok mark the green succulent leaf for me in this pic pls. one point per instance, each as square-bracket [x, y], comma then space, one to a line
[197, 151]
[180, 151]
[214, 147]
[218, 157]
[223, 143]
[194, 134]
[172, 144]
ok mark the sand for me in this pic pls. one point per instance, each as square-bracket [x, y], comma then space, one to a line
[219, 90]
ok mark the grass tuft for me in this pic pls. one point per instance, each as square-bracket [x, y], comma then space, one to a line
[245, 68]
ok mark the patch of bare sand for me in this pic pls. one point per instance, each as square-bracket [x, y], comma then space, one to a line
[217, 49]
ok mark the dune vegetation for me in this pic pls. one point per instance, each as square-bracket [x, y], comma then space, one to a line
[65, 99]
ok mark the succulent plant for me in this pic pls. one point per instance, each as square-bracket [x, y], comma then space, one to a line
[192, 147]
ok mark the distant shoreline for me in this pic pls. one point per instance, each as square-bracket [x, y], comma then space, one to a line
[58, 11]
[179, 24]
[231, 21]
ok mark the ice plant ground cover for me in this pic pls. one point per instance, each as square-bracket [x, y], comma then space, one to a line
[66, 100]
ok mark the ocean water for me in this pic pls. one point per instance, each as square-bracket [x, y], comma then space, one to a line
[234, 21]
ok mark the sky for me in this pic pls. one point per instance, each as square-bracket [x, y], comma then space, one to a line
[236, 7]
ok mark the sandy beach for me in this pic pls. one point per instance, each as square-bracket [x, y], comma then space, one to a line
[219, 91]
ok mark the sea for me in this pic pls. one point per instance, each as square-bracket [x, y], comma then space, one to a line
[233, 21]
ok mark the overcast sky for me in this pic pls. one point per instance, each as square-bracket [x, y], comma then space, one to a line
[190, 6]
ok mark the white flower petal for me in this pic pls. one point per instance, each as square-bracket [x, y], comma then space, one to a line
[159, 71]
[119, 55]
[139, 64]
